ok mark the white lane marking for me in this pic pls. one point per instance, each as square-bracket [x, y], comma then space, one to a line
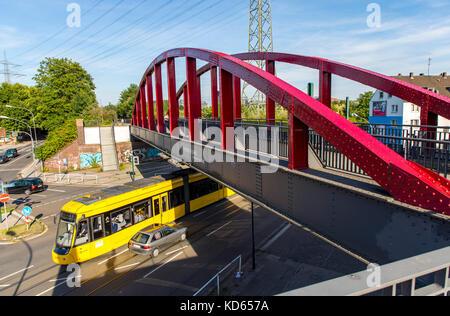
[6, 285]
[53, 287]
[57, 280]
[12, 274]
[172, 252]
[219, 228]
[53, 190]
[112, 257]
[128, 266]
[280, 233]
[170, 260]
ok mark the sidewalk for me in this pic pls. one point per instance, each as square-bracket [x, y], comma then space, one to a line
[89, 178]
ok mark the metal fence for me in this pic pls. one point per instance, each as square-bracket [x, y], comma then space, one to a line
[210, 287]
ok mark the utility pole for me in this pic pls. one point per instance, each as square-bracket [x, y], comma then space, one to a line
[429, 65]
[6, 70]
[260, 39]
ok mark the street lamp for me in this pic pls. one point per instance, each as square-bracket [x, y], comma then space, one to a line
[32, 141]
[370, 125]
[34, 122]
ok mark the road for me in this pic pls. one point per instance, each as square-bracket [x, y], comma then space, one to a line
[9, 170]
[217, 235]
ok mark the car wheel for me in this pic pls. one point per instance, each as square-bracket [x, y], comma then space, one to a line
[155, 253]
[183, 237]
[28, 192]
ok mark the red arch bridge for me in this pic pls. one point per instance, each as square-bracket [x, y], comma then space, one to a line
[403, 212]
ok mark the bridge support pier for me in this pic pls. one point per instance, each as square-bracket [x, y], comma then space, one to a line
[150, 107]
[174, 110]
[144, 117]
[298, 144]
[214, 93]
[159, 99]
[325, 88]
[270, 104]
[237, 98]
[194, 102]
[226, 107]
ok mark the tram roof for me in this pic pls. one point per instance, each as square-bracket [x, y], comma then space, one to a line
[132, 186]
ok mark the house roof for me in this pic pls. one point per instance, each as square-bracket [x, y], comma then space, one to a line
[441, 83]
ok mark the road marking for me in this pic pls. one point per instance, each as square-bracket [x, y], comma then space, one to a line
[128, 266]
[170, 260]
[6, 285]
[112, 257]
[219, 228]
[12, 274]
[172, 252]
[53, 287]
[280, 233]
[57, 280]
[232, 212]
[53, 190]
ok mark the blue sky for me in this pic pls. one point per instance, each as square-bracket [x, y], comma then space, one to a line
[118, 39]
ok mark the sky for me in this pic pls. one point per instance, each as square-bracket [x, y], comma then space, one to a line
[117, 39]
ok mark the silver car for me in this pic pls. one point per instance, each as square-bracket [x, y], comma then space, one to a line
[154, 239]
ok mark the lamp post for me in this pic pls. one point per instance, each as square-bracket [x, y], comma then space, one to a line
[31, 133]
[32, 115]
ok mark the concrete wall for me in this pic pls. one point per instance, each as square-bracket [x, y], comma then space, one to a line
[92, 135]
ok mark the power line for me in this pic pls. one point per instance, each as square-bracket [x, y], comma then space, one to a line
[105, 27]
[57, 33]
[81, 31]
[146, 37]
[6, 71]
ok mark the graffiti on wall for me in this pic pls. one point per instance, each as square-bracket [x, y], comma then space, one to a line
[144, 154]
[88, 160]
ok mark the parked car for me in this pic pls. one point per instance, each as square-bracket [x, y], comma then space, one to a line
[154, 239]
[11, 153]
[3, 159]
[27, 186]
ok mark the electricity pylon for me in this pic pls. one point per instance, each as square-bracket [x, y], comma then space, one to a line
[259, 40]
[6, 70]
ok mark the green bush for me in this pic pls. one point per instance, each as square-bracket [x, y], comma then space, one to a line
[57, 140]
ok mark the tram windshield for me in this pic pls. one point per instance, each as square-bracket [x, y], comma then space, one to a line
[65, 231]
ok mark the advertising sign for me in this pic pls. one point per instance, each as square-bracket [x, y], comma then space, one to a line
[379, 108]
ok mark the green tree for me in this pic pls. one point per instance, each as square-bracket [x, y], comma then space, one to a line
[126, 102]
[361, 107]
[66, 91]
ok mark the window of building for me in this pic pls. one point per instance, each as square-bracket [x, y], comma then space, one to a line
[394, 122]
[415, 108]
[381, 95]
[414, 122]
[389, 96]
[448, 89]
[394, 108]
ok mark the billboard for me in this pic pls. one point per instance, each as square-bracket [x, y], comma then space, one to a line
[379, 108]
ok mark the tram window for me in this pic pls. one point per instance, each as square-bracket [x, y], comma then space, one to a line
[82, 236]
[97, 227]
[176, 197]
[164, 203]
[202, 188]
[140, 213]
[156, 207]
[107, 223]
[120, 220]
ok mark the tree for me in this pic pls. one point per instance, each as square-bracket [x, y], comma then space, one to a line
[362, 106]
[21, 96]
[66, 91]
[126, 102]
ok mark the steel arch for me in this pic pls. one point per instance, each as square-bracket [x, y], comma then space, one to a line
[404, 180]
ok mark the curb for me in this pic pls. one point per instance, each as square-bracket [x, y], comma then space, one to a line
[16, 240]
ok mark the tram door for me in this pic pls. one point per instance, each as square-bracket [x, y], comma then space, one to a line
[160, 207]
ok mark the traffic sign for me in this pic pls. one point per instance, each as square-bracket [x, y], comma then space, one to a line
[26, 211]
[4, 198]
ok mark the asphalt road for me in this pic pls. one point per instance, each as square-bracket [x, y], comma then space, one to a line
[9, 170]
[216, 235]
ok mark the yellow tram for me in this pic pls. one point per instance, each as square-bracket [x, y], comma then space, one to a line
[96, 224]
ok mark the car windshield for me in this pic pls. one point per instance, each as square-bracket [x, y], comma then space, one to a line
[141, 238]
[64, 235]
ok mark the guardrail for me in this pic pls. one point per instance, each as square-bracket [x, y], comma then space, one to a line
[68, 178]
[423, 275]
[217, 276]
